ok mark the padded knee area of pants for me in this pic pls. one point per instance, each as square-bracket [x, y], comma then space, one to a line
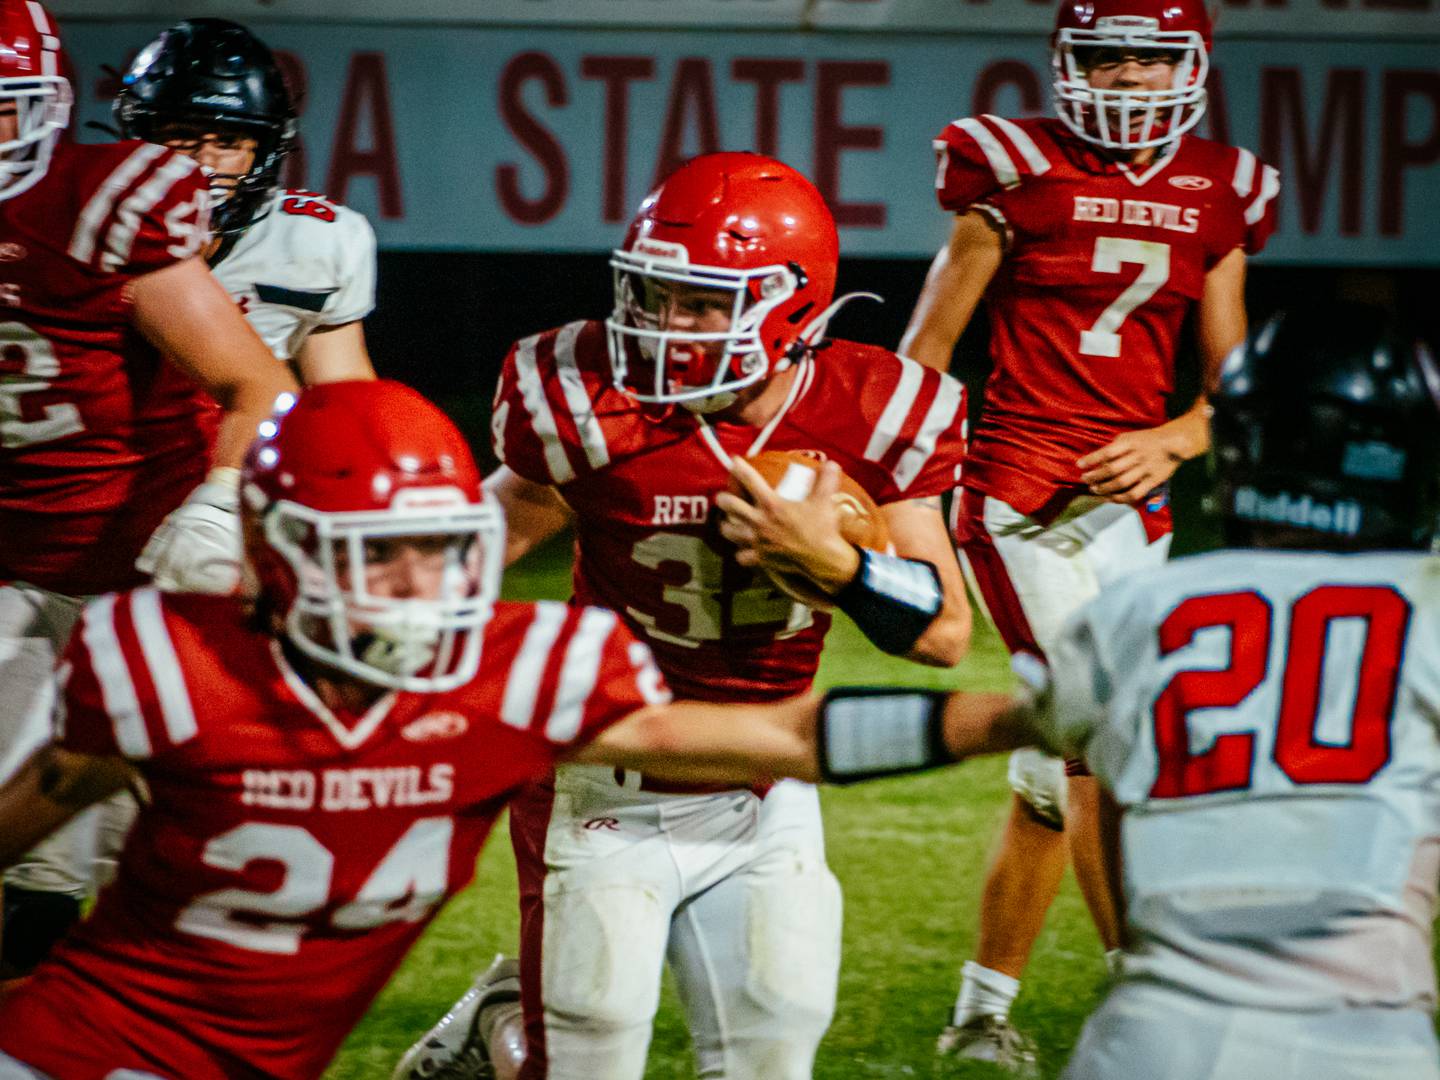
[34, 922]
[793, 934]
[1039, 780]
[602, 953]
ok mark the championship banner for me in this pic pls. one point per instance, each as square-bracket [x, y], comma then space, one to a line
[1291, 19]
[508, 140]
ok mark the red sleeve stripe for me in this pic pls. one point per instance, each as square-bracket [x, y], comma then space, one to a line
[522, 686]
[1001, 163]
[578, 399]
[112, 672]
[942, 159]
[1244, 179]
[1034, 157]
[542, 419]
[120, 240]
[892, 419]
[1269, 188]
[97, 210]
[938, 419]
[164, 666]
[579, 673]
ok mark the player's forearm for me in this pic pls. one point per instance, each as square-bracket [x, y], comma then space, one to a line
[533, 512]
[1188, 435]
[47, 791]
[702, 742]
[986, 723]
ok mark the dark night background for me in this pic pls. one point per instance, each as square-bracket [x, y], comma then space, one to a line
[443, 322]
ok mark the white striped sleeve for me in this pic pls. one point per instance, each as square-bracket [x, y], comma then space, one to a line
[892, 419]
[176, 709]
[117, 688]
[97, 213]
[522, 686]
[1269, 188]
[578, 674]
[1001, 164]
[577, 398]
[1244, 179]
[1034, 157]
[542, 419]
[938, 419]
[120, 238]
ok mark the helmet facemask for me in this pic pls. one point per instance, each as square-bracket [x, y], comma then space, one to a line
[42, 111]
[339, 617]
[654, 361]
[1129, 119]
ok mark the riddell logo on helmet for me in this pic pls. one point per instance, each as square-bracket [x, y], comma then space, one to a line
[1302, 511]
[661, 249]
[229, 101]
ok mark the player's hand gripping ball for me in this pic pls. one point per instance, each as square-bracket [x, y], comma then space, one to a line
[793, 474]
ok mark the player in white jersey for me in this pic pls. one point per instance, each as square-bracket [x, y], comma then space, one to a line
[1268, 721]
[300, 266]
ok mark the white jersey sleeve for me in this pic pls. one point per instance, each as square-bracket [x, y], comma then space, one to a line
[308, 263]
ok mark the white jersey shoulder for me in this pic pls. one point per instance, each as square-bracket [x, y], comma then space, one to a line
[1270, 723]
[309, 262]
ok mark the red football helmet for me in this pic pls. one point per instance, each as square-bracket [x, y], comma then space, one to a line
[750, 246]
[1091, 32]
[32, 79]
[347, 492]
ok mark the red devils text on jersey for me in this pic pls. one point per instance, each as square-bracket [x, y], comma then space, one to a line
[1102, 263]
[289, 855]
[99, 437]
[642, 485]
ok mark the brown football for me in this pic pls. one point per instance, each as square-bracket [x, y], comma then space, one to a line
[792, 473]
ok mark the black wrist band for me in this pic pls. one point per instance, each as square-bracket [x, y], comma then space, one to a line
[892, 600]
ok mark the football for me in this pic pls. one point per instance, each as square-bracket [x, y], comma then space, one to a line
[793, 473]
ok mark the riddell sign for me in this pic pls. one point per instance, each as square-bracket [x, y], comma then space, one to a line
[547, 139]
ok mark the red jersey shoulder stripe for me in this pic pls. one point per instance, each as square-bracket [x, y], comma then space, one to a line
[530, 382]
[97, 215]
[1008, 149]
[944, 407]
[176, 709]
[1269, 188]
[579, 673]
[1034, 158]
[120, 238]
[578, 399]
[118, 695]
[527, 670]
[908, 438]
[49, 42]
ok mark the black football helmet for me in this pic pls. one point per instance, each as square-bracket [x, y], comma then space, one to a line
[1327, 434]
[216, 74]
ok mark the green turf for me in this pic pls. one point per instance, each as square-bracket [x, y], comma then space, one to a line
[910, 854]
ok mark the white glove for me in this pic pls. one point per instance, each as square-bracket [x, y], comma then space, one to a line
[197, 546]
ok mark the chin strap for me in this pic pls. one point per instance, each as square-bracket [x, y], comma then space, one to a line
[816, 327]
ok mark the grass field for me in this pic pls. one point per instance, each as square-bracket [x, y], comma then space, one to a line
[910, 855]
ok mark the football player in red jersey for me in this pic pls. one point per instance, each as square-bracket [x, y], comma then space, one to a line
[714, 351]
[1091, 237]
[323, 762]
[101, 438]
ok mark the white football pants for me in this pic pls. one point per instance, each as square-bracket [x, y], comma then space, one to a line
[1145, 1032]
[731, 889]
[1031, 577]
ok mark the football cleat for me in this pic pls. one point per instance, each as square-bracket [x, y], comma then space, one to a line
[455, 1048]
[992, 1039]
